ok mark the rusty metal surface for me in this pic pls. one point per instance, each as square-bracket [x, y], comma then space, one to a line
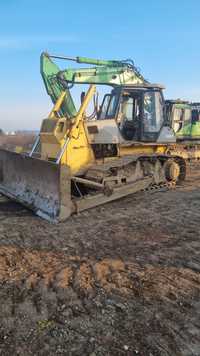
[36, 184]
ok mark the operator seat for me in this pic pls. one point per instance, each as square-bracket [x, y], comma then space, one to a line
[128, 130]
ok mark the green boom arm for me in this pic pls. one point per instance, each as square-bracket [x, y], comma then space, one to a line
[114, 73]
[54, 88]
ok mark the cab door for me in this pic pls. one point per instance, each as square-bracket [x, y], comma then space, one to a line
[129, 116]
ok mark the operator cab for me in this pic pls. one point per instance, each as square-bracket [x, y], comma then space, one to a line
[179, 113]
[138, 111]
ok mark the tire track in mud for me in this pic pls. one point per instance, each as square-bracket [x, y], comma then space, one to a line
[86, 275]
[118, 280]
[102, 305]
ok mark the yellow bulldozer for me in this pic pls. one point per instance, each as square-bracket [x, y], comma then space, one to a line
[79, 162]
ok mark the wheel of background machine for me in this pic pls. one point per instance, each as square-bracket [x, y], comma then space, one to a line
[171, 170]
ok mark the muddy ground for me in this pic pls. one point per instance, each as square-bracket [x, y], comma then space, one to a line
[121, 279]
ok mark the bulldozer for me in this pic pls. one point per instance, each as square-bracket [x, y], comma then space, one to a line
[79, 162]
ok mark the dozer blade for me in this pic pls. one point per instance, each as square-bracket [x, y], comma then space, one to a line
[42, 186]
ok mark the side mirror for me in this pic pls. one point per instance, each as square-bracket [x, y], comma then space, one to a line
[82, 96]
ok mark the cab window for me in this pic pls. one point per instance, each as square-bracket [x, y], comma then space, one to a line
[109, 106]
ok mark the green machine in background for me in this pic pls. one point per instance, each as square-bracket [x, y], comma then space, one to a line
[184, 118]
[195, 126]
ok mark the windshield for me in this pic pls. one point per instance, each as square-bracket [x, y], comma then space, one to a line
[187, 116]
[178, 119]
[153, 112]
[181, 116]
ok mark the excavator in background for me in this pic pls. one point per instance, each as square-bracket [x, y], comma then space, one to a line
[184, 118]
[78, 162]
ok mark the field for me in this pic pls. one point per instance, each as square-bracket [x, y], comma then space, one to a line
[17, 142]
[121, 279]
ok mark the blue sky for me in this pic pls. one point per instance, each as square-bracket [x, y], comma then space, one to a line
[161, 36]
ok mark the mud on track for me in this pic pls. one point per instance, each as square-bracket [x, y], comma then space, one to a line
[121, 279]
